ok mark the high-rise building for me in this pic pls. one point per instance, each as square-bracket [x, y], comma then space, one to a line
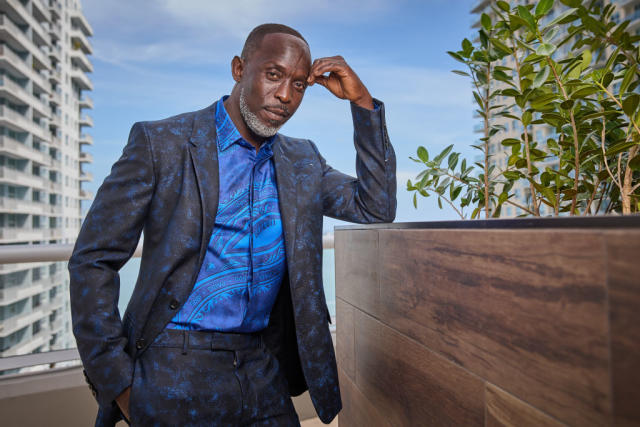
[625, 10]
[43, 79]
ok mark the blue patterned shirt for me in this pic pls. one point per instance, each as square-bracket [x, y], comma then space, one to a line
[245, 261]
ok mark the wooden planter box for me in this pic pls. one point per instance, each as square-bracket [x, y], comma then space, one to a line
[501, 322]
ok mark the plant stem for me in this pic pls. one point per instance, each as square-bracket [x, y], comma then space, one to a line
[450, 203]
[487, 111]
[520, 206]
[576, 146]
[532, 188]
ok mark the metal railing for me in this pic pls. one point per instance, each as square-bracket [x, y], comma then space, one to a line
[11, 254]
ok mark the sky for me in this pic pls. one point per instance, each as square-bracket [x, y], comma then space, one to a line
[155, 59]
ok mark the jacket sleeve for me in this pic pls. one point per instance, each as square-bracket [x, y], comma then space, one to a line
[371, 197]
[107, 239]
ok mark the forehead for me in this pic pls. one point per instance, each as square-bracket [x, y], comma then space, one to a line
[285, 50]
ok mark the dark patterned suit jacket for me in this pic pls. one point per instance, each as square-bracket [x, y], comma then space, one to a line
[166, 183]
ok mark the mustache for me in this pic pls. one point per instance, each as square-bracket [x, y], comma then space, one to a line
[279, 108]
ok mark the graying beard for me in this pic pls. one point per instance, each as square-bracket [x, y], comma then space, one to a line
[253, 122]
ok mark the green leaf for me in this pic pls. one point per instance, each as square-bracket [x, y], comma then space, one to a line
[545, 49]
[524, 13]
[567, 105]
[619, 147]
[526, 118]
[510, 141]
[511, 175]
[504, 5]
[634, 164]
[454, 192]
[566, 14]
[467, 47]
[486, 21]
[439, 202]
[456, 56]
[461, 73]
[501, 46]
[443, 154]
[630, 104]
[550, 35]
[423, 154]
[544, 6]
[503, 198]
[478, 100]
[626, 81]
[586, 59]
[541, 77]
[415, 200]
[607, 79]
[453, 160]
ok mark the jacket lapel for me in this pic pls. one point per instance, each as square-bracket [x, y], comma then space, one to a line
[204, 155]
[287, 200]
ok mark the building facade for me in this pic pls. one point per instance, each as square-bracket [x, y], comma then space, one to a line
[43, 84]
[625, 10]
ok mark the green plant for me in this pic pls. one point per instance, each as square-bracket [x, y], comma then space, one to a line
[524, 73]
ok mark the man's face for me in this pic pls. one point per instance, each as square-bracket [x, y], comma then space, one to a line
[273, 82]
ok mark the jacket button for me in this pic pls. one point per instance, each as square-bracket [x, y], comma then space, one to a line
[174, 304]
[140, 343]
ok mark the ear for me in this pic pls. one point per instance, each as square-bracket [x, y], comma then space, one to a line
[237, 68]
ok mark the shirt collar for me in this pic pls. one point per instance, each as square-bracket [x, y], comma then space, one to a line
[227, 131]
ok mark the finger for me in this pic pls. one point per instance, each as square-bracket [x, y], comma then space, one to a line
[322, 64]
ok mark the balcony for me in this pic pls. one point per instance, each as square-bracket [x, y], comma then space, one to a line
[85, 157]
[80, 41]
[23, 206]
[17, 65]
[78, 20]
[7, 235]
[80, 60]
[86, 176]
[19, 177]
[55, 98]
[86, 139]
[80, 78]
[55, 7]
[85, 194]
[9, 145]
[86, 120]
[14, 91]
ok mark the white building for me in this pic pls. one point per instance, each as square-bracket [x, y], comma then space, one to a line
[625, 10]
[43, 80]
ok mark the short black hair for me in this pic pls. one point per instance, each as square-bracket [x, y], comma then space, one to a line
[257, 34]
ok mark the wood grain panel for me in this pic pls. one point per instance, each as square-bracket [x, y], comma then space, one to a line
[345, 338]
[356, 255]
[505, 410]
[411, 385]
[526, 310]
[356, 408]
[624, 305]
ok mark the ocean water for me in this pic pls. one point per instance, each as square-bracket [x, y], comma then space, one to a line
[129, 275]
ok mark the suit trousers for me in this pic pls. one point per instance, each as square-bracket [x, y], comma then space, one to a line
[207, 378]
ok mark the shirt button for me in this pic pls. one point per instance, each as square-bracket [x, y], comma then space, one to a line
[140, 343]
[174, 304]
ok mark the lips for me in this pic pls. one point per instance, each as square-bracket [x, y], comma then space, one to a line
[277, 114]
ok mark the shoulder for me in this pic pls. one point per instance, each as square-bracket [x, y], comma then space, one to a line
[296, 146]
[178, 127]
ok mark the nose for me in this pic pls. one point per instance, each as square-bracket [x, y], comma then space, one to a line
[284, 92]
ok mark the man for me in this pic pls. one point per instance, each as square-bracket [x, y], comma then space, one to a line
[228, 317]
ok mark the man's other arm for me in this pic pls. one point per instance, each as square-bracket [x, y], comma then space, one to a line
[371, 197]
[107, 239]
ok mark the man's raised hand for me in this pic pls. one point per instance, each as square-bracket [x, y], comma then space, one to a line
[342, 81]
